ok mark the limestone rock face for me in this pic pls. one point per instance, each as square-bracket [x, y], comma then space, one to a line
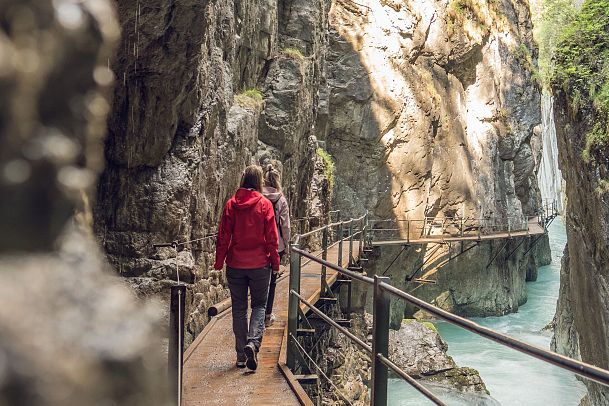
[582, 318]
[433, 110]
[182, 129]
[419, 350]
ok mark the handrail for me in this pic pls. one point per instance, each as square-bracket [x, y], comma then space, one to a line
[380, 304]
[298, 237]
[334, 324]
[410, 380]
[580, 368]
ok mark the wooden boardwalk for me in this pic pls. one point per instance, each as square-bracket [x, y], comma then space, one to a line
[534, 228]
[210, 374]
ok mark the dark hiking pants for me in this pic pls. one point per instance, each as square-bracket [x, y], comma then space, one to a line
[239, 282]
[272, 286]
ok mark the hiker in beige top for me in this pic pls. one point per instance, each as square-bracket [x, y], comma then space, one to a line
[272, 191]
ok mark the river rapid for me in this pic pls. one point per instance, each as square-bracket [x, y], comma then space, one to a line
[511, 377]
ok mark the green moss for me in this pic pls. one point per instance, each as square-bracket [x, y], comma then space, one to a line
[581, 69]
[250, 98]
[293, 53]
[328, 165]
[595, 139]
[602, 188]
[427, 324]
[473, 10]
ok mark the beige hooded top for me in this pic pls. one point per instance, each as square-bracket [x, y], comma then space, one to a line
[283, 212]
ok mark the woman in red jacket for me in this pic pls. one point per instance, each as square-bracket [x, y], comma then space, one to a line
[247, 241]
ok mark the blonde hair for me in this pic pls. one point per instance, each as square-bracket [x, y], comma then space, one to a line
[272, 177]
[252, 178]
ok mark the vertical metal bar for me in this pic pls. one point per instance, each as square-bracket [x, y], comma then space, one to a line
[380, 342]
[177, 305]
[349, 295]
[408, 231]
[351, 242]
[293, 305]
[324, 256]
[341, 233]
[366, 228]
[361, 237]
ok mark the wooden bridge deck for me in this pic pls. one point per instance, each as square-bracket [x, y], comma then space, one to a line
[210, 374]
[534, 228]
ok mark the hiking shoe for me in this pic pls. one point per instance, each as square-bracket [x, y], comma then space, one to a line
[241, 358]
[252, 357]
[269, 319]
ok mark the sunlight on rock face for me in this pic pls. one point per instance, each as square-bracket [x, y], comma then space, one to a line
[434, 69]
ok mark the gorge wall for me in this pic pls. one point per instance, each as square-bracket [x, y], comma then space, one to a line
[582, 315]
[204, 89]
[435, 111]
[429, 109]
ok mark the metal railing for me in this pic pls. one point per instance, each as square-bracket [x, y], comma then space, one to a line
[295, 262]
[379, 350]
[433, 227]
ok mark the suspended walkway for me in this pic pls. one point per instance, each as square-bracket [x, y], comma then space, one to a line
[210, 376]
[285, 365]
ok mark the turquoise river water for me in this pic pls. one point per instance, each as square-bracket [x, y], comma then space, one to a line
[511, 377]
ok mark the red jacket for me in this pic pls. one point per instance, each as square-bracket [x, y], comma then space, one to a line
[247, 238]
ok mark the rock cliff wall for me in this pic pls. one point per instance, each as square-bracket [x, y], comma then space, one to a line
[581, 115]
[434, 111]
[204, 89]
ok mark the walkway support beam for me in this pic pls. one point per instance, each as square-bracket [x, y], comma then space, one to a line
[351, 243]
[324, 256]
[341, 236]
[175, 356]
[293, 305]
[380, 342]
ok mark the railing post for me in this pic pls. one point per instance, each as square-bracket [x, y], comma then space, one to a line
[361, 236]
[408, 231]
[293, 304]
[177, 305]
[341, 233]
[350, 242]
[324, 256]
[380, 342]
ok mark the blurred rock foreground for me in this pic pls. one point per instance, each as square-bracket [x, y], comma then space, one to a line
[67, 335]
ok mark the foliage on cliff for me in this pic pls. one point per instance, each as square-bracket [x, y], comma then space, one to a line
[550, 19]
[582, 68]
[328, 165]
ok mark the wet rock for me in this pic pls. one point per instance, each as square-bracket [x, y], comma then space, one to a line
[419, 350]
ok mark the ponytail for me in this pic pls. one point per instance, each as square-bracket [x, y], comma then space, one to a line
[272, 178]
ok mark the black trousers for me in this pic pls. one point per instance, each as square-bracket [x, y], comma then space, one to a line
[272, 286]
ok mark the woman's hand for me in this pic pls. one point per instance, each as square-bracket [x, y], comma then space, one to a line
[218, 266]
